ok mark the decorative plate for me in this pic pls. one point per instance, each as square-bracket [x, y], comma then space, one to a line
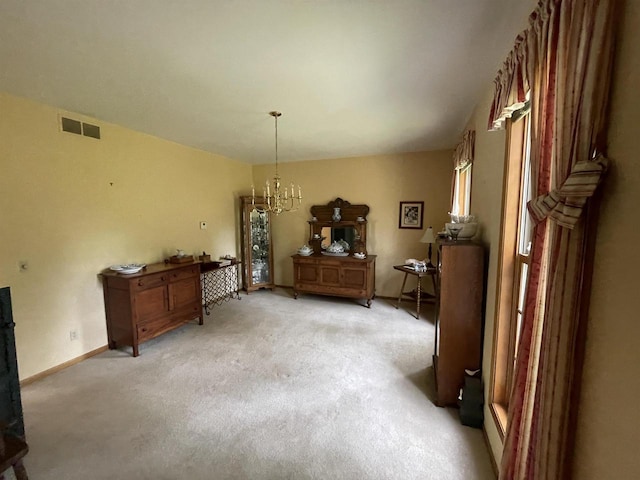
[336, 254]
[129, 268]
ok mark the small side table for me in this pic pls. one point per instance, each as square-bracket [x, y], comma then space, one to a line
[417, 294]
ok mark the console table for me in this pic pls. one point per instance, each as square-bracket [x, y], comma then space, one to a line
[417, 294]
[219, 283]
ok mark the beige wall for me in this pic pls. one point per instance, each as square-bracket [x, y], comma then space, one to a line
[486, 202]
[608, 412]
[380, 182]
[71, 206]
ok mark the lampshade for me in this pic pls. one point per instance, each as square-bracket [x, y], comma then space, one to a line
[428, 236]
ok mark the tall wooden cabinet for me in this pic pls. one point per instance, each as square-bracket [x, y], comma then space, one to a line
[458, 342]
[257, 249]
[143, 305]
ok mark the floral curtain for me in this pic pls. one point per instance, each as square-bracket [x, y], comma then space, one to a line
[565, 59]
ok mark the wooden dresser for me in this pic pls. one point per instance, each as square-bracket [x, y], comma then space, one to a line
[338, 276]
[143, 305]
[458, 341]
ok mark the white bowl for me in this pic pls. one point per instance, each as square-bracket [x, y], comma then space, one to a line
[462, 218]
[468, 229]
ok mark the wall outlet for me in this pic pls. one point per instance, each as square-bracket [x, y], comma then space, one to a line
[73, 335]
[203, 225]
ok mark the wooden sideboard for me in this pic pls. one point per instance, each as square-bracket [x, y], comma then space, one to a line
[337, 276]
[340, 276]
[458, 325]
[143, 305]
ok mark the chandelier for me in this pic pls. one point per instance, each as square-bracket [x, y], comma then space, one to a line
[278, 199]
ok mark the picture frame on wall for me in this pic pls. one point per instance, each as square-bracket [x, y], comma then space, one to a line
[411, 215]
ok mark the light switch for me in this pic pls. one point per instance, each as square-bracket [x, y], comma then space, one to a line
[203, 225]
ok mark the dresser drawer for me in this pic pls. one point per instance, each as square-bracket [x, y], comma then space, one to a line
[184, 273]
[149, 281]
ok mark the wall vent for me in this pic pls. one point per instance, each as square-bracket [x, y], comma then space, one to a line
[72, 126]
[79, 128]
[89, 130]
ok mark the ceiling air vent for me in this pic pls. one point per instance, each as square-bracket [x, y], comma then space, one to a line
[79, 128]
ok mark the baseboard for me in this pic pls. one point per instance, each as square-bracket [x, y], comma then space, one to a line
[62, 366]
[494, 465]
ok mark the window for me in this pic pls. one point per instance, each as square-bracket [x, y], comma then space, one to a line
[513, 263]
[462, 191]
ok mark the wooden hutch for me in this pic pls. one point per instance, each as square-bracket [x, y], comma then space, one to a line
[341, 275]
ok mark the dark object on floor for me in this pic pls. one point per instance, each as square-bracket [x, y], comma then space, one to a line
[12, 450]
[12, 445]
[471, 413]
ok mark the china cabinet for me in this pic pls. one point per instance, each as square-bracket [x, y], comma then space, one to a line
[350, 273]
[458, 323]
[257, 250]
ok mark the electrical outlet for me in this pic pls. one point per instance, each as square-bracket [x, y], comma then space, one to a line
[203, 225]
[73, 335]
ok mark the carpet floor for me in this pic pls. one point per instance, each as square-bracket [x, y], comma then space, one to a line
[268, 388]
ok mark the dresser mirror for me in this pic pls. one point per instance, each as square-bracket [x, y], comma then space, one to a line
[338, 220]
[335, 234]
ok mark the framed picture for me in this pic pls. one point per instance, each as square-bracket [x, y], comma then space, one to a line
[411, 215]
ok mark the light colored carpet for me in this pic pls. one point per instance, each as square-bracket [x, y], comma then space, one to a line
[269, 388]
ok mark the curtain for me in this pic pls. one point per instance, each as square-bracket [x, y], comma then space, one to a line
[565, 59]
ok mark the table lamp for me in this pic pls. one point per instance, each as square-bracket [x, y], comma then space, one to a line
[429, 238]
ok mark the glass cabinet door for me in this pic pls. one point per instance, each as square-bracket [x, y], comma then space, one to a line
[257, 250]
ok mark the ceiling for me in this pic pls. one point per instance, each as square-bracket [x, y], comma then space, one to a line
[351, 77]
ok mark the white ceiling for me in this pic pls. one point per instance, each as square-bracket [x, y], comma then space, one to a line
[352, 77]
